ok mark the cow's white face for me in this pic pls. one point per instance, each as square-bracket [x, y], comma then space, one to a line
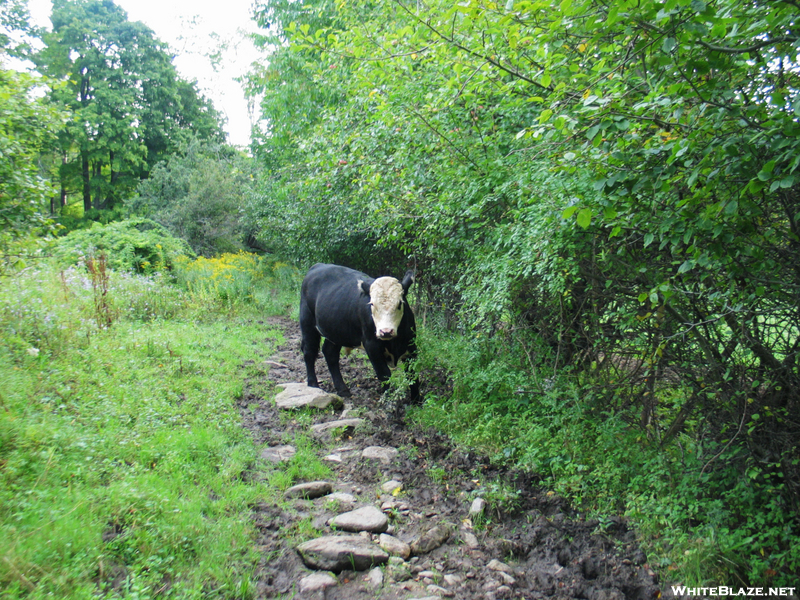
[386, 301]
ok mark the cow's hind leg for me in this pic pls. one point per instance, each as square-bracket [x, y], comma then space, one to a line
[331, 353]
[309, 344]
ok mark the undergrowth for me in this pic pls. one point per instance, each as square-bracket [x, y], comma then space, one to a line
[701, 519]
[122, 456]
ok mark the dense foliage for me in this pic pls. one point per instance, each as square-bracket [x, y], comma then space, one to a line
[606, 187]
[27, 126]
[138, 245]
[197, 194]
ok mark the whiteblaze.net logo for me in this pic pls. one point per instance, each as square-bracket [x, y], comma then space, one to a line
[723, 590]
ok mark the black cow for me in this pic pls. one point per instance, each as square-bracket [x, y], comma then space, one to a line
[350, 310]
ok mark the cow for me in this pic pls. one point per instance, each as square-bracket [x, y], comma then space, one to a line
[350, 310]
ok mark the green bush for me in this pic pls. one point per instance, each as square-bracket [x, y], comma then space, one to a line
[138, 245]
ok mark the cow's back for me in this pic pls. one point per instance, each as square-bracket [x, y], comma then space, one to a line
[332, 295]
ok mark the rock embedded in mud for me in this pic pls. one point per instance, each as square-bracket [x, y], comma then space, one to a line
[316, 582]
[310, 490]
[384, 454]
[394, 546]
[470, 540]
[390, 487]
[299, 395]
[496, 565]
[477, 507]
[366, 518]
[375, 577]
[343, 502]
[337, 553]
[322, 429]
[277, 454]
[430, 540]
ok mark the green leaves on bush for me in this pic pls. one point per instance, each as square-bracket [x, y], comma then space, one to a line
[138, 245]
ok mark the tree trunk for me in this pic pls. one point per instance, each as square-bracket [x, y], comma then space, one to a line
[87, 182]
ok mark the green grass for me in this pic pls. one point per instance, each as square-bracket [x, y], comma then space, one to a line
[122, 456]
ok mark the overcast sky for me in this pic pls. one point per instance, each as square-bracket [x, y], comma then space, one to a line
[194, 29]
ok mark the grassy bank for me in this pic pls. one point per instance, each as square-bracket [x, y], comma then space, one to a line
[703, 521]
[124, 470]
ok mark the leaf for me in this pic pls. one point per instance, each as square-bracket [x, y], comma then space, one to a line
[584, 217]
[669, 44]
[648, 239]
[546, 79]
[569, 212]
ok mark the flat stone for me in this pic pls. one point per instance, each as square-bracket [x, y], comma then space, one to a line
[321, 429]
[381, 453]
[470, 539]
[366, 518]
[337, 553]
[496, 565]
[376, 577]
[316, 582]
[390, 486]
[436, 589]
[310, 490]
[340, 502]
[277, 454]
[299, 395]
[430, 540]
[394, 546]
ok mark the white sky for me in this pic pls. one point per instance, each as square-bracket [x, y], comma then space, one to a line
[194, 29]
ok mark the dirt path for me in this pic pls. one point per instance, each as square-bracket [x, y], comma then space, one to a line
[540, 549]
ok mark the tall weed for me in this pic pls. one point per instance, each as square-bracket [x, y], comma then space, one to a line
[241, 279]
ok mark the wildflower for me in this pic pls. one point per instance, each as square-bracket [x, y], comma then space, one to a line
[33, 351]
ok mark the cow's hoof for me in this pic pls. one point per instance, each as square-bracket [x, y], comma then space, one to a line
[345, 393]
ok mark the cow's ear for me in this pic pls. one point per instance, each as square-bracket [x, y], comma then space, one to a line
[408, 279]
[363, 286]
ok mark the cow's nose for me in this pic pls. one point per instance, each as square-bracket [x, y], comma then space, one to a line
[386, 334]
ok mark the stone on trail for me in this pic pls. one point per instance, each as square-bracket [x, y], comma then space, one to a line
[496, 565]
[394, 546]
[383, 454]
[337, 553]
[342, 501]
[316, 582]
[477, 507]
[390, 486]
[376, 577]
[366, 518]
[321, 429]
[430, 540]
[277, 454]
[299, 395]
[310, 490]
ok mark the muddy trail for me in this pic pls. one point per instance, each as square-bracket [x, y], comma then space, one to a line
[441, 536]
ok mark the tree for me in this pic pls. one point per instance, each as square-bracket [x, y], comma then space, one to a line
[130, 107]
[197, 194]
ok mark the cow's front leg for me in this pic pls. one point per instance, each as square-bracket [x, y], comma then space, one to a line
[376, 353]
[331, 353]
[310, 347]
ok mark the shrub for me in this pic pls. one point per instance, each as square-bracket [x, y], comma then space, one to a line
[138, 245]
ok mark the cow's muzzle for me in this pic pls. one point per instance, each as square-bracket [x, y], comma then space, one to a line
[387, 334]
